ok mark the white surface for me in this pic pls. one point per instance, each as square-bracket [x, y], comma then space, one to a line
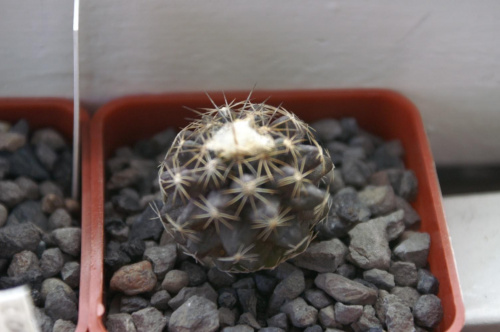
[443, 55]
[473, 221]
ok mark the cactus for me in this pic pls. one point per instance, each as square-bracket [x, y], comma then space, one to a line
[244, 186]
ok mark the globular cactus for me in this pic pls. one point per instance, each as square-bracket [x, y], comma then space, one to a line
[244, 186]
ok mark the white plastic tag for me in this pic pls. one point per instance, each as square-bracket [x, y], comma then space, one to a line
[16, 311]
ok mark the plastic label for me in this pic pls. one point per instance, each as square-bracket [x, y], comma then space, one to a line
[16, 311]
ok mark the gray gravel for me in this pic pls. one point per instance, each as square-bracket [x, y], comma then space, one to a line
[197, 314]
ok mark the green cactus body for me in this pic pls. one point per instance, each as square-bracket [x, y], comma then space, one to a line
[244, 186]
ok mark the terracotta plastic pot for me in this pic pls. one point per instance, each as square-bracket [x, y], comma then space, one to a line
[381, 112]
[58, 114]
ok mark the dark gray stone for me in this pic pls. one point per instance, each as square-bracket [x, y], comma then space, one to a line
[349, 208]
[347, 270]
[363, 141]
[60, 218]
[10, 193]
[133, 248]
[349, 128]
[117, 229]
[44, 322]
[147, 226]
[411, 216]
[32, 278]
[149, 320]
[428, 311]
[413, 247]
[23, 262]
[317, 298]
[248, 300]
[52, 262]
[279, 320]
[46, 155]
[68, 240]
[162, 258]
[427, 283]
[271, 329]
[405, 273]
[50, 187]
[332, 227]
[49, 285]
[408, 186]
[60, 305]
[197, 314]
[380, 278]
[49, 137]
[52, 202]
[314, 328]
[219, 278]
[196, 274]
[238, 328]
[29, 187]
[407, 295]
[384, 158]
[28, 211]
[127, 177]
[16, 238]
[355, 172]
[327, 129]
[4, 166]
[393, 223]
[120, 323]
[127, 202]
[70, 274]
[283, 271]
[324, 256]
[347, 314]
[204, 290]
[369, 246]
[379, 199]
[175, 280]
[398, 317]
[62, 171]
[300, 313]
[160, 299]
[130, 304]
[227, 317]
[244, 283]
[114, 257]
[62, 325]
[3, 215]
[288, 289]
[345, 290]
[11, 141]
[327, 317]
[248, 319]
[368, 321]
[24, 162]
[264, 284]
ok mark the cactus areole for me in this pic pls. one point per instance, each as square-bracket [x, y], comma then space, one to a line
[244, 186]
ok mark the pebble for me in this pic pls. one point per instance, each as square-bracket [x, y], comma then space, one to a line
[393, 223]
[288, 289]
[16, 238]
[227, 317]
[380, 278]
[147, 226]
[133, 248]
[405, 273]
[265, 284]
[355, 172]
[347, 314]
[323, 256]
[407, 295]
[327, 317]
[408, 186]
[219, 278]
[271, 329]
[130, 304]
[46, 155]
[114, 257]
[368, 321]
[345, 290]
[411, 216]
[317, 298]
[134, 279]
[44, 322]
[347, 270]
[279, 320]
[204, 290]
[50, 187]
[379, 199]
[413, 247]
[68, 240]
[28, 211]
[49, 137]
[162, 258]
[23, 262]
[248, 319]
[52, 202]
[3, 215]
[196, 314]
[29, 187]
[428, 311]
[23, 162]
[427, 283]
[127, 201]
[349, 208]
[398, 317]
[62, 325]
[160, 299]
[196, 274]
[127, 177]
[117, 229]
[32, 278]
[327, 129]
[174, 281]
[51, 284]
[10, 193]
[369, 246]
[238, 328]
[60, 305]
[70, 274]
[149, 320]
[314, 328]
[11, 141]
[248, 300]
[51, 262]
[120, 323]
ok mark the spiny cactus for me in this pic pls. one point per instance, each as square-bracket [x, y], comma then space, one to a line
[244, 186]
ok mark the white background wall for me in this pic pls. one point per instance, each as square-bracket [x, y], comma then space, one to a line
[444, 55]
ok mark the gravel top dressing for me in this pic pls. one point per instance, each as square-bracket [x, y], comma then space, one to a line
[366, 269]
[39, 225]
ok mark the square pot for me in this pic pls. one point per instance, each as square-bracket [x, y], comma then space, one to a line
[58, 114]
[381, 112]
